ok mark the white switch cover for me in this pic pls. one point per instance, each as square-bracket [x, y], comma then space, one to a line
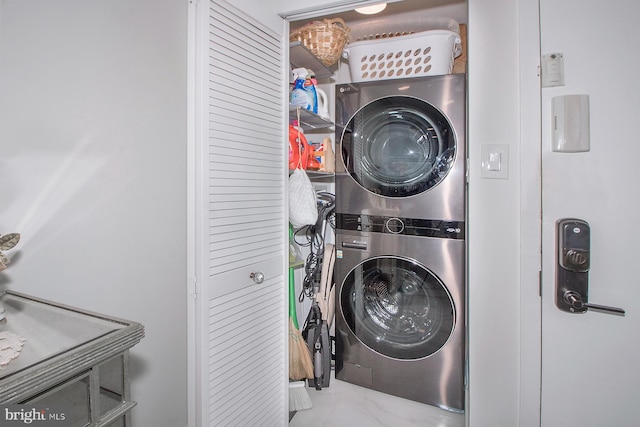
[495, 161]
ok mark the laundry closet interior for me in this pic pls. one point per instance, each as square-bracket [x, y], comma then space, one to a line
[379, 280]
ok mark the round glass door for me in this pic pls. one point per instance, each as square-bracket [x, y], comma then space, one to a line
[397, 307]
[398, 146]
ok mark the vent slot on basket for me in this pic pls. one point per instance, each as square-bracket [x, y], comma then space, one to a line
[378, 36]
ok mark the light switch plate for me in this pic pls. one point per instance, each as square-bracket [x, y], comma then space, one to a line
[495, 161]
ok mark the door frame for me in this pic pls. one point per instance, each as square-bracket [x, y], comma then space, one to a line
[195, 244]
[530, 197]
[530, 213]
[529, 158]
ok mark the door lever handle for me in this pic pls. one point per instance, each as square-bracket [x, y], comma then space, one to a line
[574, 299]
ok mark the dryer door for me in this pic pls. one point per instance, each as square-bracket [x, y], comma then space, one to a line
[398, 146]
[397, 307]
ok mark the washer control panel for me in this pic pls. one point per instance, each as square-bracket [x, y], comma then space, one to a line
[404, 226]
[394, 225]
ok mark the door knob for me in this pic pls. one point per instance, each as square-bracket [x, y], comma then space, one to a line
[258, 277]
[576, 304]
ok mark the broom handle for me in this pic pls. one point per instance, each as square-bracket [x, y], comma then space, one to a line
[292, 291]
[292, 298]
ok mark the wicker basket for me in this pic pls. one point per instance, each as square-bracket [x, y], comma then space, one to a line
[325, 39]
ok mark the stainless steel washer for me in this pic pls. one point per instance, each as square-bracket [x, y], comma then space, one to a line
[400, 323]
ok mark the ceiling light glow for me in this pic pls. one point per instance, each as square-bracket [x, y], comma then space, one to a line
[370, 10]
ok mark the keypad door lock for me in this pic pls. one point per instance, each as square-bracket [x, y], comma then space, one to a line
[573, 238]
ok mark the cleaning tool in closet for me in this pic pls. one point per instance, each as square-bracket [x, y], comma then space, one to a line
[316, 237]
[300, 365]
[327, 287]
[316, 330]
[318, 283]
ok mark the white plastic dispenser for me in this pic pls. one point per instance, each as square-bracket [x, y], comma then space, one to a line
[570, 123]
[323, 104]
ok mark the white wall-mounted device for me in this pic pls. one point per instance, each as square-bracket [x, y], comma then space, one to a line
[570, 123]
[552, 70]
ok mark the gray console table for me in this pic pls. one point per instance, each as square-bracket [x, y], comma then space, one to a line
[72, 360]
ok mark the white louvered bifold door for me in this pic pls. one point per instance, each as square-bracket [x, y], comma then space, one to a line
[241, 324]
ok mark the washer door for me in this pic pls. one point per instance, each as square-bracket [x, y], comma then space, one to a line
[397, 307]
[398, 146]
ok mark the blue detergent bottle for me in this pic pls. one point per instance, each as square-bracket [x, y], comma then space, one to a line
[299, 97]
[304, 91]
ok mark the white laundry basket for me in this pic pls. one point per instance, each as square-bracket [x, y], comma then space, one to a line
[412, 55]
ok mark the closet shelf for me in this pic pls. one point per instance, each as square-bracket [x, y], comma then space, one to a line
[320, 175]
[317, 175]
[296, 264]
[308, 120]
[301, 57]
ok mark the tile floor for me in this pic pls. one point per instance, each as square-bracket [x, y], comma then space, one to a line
[344, 404]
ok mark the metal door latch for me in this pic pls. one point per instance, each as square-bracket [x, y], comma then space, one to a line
[573, 261]
[577, 305]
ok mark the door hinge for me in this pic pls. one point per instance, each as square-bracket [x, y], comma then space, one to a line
[194, 287]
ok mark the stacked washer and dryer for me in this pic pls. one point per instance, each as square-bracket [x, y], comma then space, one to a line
[400, 237]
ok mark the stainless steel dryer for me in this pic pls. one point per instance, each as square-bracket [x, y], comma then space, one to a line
[400, 310]
[400, 147]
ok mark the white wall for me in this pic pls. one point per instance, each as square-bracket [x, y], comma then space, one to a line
[93, 172]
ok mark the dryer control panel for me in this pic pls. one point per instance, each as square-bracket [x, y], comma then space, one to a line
[404, 226]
